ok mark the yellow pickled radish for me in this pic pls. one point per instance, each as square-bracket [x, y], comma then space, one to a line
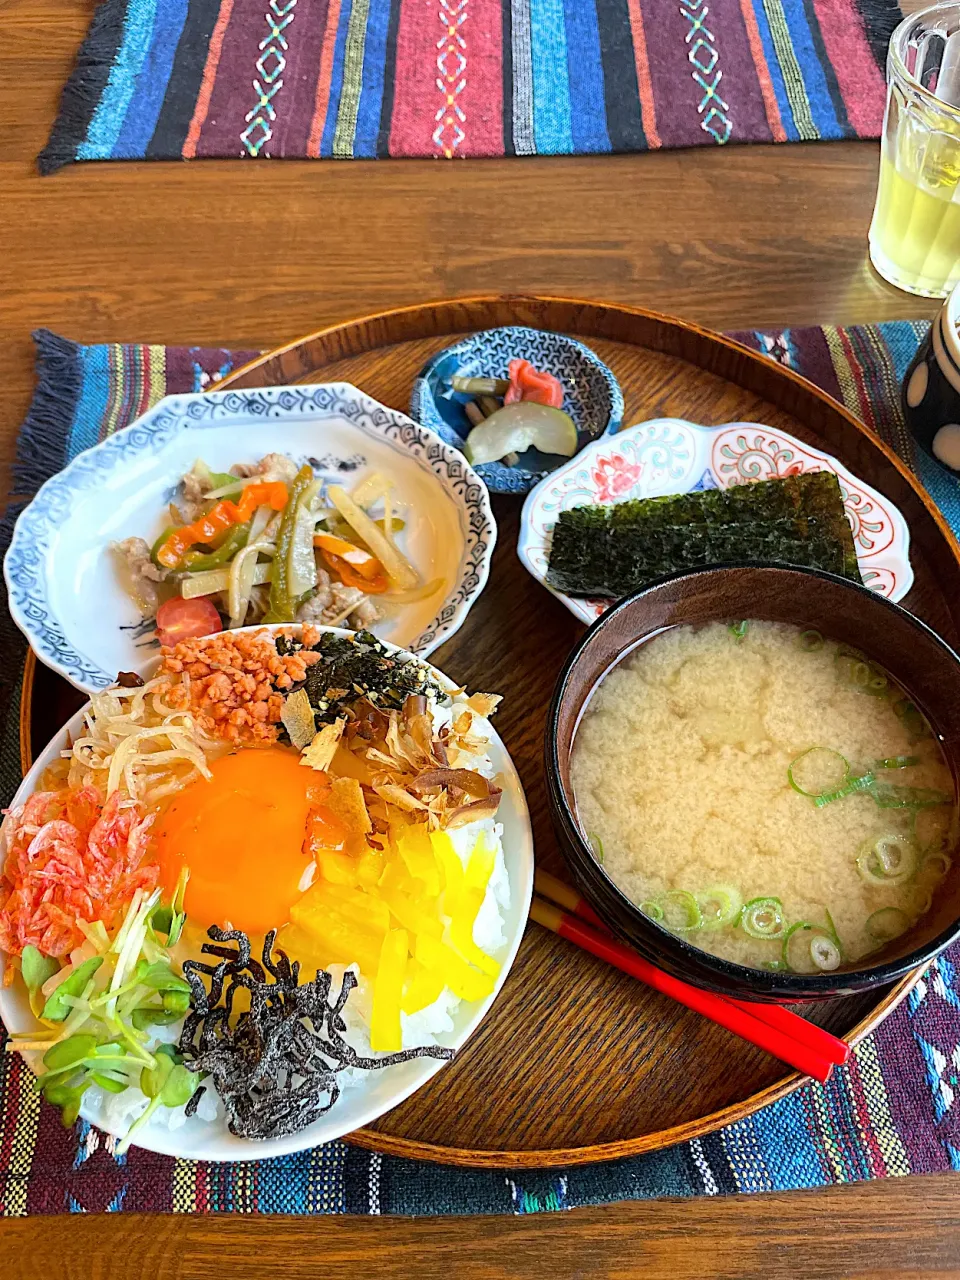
[451, 867]
[475, 879]
[414, 847]
[424, 986]
[325, 943]
[464, 981]
[385, 1034]
[416, 916]
[370, 868]
[338, 901]
[337, 868]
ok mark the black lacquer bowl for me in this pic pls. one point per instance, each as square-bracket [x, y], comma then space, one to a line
[916, 657]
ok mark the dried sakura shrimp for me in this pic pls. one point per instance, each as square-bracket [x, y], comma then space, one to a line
[70, 857]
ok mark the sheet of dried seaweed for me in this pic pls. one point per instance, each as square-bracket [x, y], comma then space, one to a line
[613, 550]
[274, 1064]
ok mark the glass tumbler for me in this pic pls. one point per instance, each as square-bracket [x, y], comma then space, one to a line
[915, 232]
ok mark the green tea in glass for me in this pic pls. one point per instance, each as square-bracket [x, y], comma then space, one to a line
[915, 233]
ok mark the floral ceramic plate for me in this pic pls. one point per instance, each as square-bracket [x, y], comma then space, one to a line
[669, 455]
[64, 590]
[592, 395]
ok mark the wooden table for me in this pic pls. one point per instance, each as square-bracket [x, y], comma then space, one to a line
[246, 254]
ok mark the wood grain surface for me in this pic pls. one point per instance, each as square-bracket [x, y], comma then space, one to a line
[252, 254]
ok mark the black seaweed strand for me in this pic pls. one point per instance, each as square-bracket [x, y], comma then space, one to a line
[275, 1065]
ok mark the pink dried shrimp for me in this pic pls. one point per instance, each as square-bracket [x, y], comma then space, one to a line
[70, 857]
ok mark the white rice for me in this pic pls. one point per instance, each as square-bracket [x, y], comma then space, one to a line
[117, 1111]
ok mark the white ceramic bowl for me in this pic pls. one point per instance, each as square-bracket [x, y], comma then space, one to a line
[64, 590]
[671, 455]
[380, 1091]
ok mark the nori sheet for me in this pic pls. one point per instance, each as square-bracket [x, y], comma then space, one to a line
[609, 551]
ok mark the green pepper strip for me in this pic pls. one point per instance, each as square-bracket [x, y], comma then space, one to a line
[282, 607]
[236, 540]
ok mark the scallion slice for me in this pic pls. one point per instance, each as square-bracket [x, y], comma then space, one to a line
[653, 910]
[890, 797]
[896, 762]
[810, 641]
[857, 671]
[738, 629]
[938, 863]
[862, 782]
[597, 845]
[887, 923]
[889, 860]
[912, 719]
[681, 911]
[824, 953]
[785, 951]
[763, 918]
[720, 905]
[818, 771]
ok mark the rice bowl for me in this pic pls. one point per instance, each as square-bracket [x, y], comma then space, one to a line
[447, 1021]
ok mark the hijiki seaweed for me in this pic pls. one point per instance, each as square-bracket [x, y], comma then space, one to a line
[275, 1065]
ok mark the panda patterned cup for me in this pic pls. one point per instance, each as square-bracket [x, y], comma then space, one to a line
[931, 388]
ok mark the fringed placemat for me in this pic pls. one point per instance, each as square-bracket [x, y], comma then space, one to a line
[892, 1111]
[165, 79]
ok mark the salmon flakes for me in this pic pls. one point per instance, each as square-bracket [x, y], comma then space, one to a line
[234, 684]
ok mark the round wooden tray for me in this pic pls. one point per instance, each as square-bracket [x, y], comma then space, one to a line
[577, 1062]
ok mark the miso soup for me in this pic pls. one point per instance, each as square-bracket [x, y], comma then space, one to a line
[767, 794]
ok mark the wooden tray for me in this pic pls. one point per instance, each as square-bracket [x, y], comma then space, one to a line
[577, 1062]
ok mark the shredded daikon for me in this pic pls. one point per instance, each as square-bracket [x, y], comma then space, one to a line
[135, 741]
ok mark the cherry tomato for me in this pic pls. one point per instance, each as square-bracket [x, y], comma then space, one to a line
[181, 619]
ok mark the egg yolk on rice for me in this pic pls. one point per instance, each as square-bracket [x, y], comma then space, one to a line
[240, 835]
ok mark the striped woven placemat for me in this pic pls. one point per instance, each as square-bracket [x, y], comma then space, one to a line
[165, 79]
[892, 1111]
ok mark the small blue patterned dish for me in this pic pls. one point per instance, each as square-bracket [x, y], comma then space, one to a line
[592, 395]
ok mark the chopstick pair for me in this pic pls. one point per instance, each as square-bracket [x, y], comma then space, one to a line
[777, 1030]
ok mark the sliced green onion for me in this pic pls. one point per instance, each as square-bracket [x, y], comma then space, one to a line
[686, 907]
[775, 966]
[810, 641]
[863, 782]
[861, 674]
[738, 629]
[800, 927]
[912, 719]
[762, 918]
[597, 845]
[720, 905]
[896, 762]
[890, 860]
[825, 953]
[891, 797]
[816, 764]
[887, 923]
[930, 834]
[937, 862]
[653, 910]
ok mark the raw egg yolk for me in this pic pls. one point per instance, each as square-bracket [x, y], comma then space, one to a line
[240, 835]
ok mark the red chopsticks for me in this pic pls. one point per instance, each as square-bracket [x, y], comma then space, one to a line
[773, 1028]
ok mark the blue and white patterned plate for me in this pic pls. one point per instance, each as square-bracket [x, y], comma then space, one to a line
[592, 395]
[671, 455]
[64, 590]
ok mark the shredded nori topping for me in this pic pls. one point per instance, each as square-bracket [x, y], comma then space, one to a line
[357, 668]
[609, 551]
[275, 1065]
